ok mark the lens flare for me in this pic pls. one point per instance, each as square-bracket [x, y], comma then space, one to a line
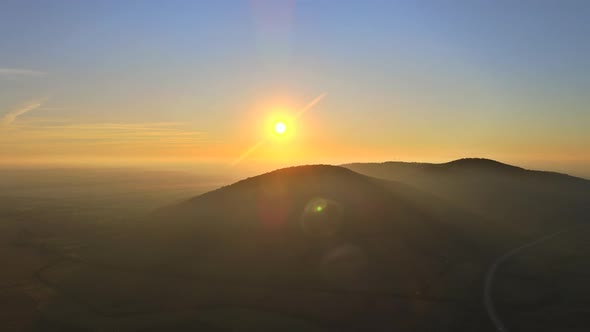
[321, 217]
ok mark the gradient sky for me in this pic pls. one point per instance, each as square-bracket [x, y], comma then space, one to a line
[196, 81]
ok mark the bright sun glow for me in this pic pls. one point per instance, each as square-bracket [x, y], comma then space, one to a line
[280, 128]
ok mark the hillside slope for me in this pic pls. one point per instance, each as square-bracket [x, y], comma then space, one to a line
[531, 200]
[320, 243]
[298, 223]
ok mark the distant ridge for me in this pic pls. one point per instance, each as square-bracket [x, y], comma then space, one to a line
[480, 162]
[463, 164]
[491, 188]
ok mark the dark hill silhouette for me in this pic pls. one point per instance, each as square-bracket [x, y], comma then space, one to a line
[531, 200]
[327, 243]
[314, 226]
[328, 225]
[397, 169]
[480, 163]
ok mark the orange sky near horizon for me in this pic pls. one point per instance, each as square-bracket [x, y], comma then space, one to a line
[313, 138]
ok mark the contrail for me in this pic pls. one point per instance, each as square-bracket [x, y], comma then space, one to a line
[262, 141]
[9, 117]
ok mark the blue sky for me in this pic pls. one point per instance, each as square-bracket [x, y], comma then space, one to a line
[413, 80]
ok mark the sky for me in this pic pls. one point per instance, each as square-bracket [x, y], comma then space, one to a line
[200, 82]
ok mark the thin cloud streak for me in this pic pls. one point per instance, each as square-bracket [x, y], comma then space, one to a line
[10, 117]
[119, 135]
[21, 72]
[131, 127]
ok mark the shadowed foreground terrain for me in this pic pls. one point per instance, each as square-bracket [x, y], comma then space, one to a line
[311, 248]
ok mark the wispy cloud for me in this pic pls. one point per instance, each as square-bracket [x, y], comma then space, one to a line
[14, 72]
[9, 117]
[35, 136]
[112, 136]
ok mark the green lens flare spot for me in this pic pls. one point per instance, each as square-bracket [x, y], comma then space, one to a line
[319, 209]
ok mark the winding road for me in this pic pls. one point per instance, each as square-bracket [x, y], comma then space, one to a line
[489, 278]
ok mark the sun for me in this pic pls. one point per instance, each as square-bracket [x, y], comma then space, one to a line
[280, 127]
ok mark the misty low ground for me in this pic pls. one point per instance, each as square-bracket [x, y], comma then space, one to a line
[364, 247]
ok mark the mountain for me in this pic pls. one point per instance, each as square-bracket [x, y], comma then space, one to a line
[480, 166]
[314, 225]
[314, 243]
[533, 201]
[321, 245]
[294, 225]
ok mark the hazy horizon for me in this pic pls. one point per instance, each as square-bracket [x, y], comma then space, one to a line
[235, 173]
